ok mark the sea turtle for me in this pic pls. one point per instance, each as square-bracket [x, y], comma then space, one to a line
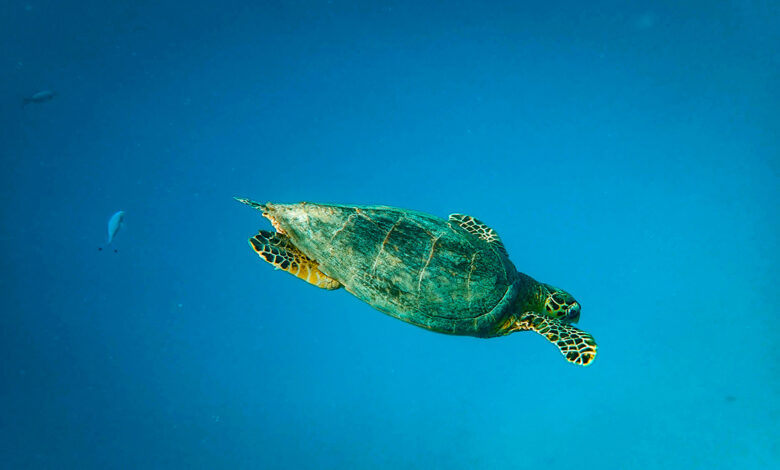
[451, 276]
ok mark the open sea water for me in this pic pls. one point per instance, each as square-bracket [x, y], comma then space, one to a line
[626, 152]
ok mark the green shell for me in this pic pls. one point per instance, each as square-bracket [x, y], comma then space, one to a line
[418, 268]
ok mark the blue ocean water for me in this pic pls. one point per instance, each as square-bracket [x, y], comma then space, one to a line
[627, 153]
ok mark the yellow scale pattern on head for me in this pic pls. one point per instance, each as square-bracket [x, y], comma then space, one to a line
[276, 249]
[575, 345]
[555, 307]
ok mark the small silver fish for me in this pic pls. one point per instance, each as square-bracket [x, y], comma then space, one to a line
[40, 97]
[114, 224]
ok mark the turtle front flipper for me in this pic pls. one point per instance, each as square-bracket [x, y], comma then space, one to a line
[576, 346]
[480, 230]
[278, 250]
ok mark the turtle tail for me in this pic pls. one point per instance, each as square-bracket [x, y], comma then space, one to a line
[267, 209]
[254, 204]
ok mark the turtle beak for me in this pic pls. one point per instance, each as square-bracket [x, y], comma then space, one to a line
[574, 313]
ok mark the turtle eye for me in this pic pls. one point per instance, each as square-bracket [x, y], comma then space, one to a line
[574, 312]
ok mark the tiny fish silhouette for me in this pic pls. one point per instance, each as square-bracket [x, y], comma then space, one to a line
[39, 97]
[114, 224]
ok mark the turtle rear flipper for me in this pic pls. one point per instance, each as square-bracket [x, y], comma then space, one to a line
[277, 249]
[576, 346]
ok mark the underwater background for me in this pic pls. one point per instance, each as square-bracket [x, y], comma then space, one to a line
[627, 153]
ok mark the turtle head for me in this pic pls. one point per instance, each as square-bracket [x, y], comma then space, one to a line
[559, 304]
